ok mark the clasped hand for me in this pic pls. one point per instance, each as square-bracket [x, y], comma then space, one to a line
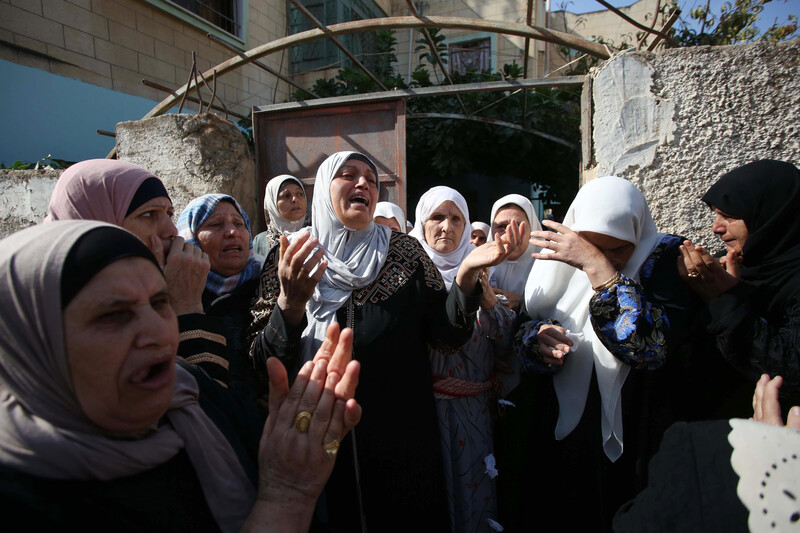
[707, 276]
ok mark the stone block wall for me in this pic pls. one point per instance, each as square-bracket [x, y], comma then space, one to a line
[673, 122]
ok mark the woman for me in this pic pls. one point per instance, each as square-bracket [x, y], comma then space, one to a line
[480, 233]
[349, 270]
[285, 206]
[605, 301]
[126, 195]
[100, 429]
[390, 215]
[463, 383]
[218, 225]
[753, 295]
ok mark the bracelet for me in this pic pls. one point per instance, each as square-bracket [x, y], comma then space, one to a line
[608, 284]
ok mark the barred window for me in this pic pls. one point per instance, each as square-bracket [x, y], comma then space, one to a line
[471, 55]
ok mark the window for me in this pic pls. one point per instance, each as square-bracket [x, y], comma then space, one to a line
[221, 13]
[323, 53]
[470, 55]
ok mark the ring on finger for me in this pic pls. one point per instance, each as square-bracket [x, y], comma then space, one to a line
[302, 421]
[693, 273]
[331, 449]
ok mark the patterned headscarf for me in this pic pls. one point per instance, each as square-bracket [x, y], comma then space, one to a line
[192, 218]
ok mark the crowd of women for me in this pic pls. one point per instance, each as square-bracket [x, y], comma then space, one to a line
[515, 374]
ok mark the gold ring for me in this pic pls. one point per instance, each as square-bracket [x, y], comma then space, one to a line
[694, 274]
[302, 421]
[332, 448]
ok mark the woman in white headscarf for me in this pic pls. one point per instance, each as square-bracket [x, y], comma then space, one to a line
[381, 283]
[285, 205]
[390, 215]
[463, 383]
[605, 301]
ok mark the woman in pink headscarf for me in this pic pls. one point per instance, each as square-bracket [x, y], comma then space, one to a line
[127, 195]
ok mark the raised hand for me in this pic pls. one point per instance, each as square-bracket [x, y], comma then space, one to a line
[488, 255]
[767, 407]
[186, 269]
[704, 274]
[297, 274]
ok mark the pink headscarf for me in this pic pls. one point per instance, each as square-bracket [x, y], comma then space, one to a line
[96, 189]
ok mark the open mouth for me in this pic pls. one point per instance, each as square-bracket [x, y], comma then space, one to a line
[152, 376]
[234, 248]
[363, 200]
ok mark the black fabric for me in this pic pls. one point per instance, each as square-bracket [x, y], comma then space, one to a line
[166, 498]
[692, 486]
[231, 313]
[149, 189]
[766, 196]
[94, 251]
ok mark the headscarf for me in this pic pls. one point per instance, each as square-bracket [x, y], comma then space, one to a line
[512, 275]
[99, 189]
[192, 218]
[482, 226]
[276, 220]
[766, 196]
[355, 257]
[43, 430]
[446, 263]
[390, 210]
[611, 206]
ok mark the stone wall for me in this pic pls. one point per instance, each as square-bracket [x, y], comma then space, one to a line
[673, 122]
[24, 195]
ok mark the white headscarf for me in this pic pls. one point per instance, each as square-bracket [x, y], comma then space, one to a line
[512, 275]
[276, 220]
[354, 256]
[446, 263]
[615, 207]
[390, 210]
[482, 226]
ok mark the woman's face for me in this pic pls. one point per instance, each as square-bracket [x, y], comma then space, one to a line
[121, 336]
[444, 228]
[391, 223]
[617, 251]
[354, 194]
[292, 202]
[731, 230]
[224, 237]
[502, 219]
[153, 218]
[477, 237]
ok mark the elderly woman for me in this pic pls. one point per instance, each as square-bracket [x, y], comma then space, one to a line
[606, 302]
[349, 270]
[126, 195]
[463, 382]
[218, 225]
[285, 205]
[753, 294]
[101, 429]
[390, 215]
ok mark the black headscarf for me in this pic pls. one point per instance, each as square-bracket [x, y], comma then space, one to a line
[766, 196]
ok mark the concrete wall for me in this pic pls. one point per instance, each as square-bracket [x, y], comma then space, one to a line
[674, 122]
[24, 196]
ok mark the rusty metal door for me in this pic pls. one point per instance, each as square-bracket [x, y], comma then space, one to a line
[297, 141]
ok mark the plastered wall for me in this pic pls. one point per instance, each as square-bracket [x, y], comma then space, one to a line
[675, 121]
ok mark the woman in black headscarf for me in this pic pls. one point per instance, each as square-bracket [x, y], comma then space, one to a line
[753, 293]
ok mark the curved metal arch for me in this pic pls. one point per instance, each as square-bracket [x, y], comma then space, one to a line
[505, 28]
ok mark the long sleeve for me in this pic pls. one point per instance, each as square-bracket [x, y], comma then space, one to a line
[526, 345]
[202, 343]
[756, 344]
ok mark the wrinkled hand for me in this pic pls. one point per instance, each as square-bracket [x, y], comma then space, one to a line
[514, 298]
[293, 466]
[489, 298]
[767, 407]
[488, 255]
[554, 344]
[572, 248]
[712, 277]
[186, 269]
[295, 266]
